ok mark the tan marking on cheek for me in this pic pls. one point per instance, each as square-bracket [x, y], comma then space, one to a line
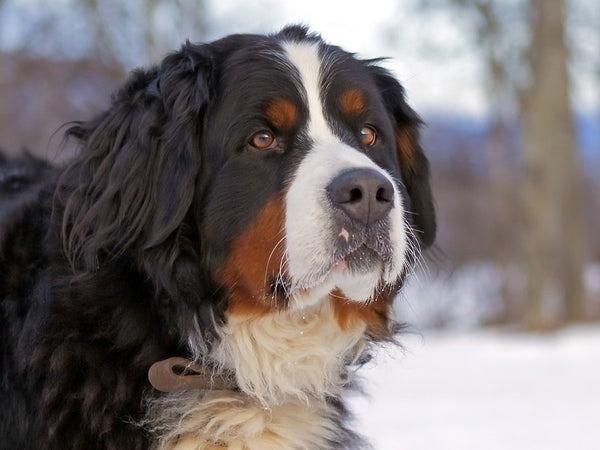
[282, 113]
[374, 314]
[404, 143]
[254, 259]
[352, 102]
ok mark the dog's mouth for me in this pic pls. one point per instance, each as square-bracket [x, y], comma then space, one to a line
[353, 255]
[363, 251]
[360, 259]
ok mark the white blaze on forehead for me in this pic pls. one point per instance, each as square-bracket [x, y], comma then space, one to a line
[311, 233]
[305, 57]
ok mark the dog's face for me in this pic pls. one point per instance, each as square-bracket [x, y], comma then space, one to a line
[307, 195]
[296, 166]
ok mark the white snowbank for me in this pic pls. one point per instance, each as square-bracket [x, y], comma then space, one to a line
[469, 296]
[484, 390]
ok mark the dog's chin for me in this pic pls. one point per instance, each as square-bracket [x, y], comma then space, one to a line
[357, 277]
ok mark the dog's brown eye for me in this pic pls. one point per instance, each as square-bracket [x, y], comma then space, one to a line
[368, 136]
[263, 140]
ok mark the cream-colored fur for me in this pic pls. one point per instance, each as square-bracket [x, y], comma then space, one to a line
[286, 364]
[235, 421]
[288, 354]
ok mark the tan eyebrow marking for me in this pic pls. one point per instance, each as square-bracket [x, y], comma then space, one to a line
[282, 113]
[352, 102]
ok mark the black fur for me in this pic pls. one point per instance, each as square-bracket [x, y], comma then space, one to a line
[416, 181]
[105, 264]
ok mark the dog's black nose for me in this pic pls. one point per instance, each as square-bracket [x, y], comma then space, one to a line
[364, 195]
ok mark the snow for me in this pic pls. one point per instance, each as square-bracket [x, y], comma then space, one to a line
[484, 389]
[469, 296]
[464, 299]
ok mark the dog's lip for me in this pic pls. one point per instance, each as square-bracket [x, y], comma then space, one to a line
[340, 264]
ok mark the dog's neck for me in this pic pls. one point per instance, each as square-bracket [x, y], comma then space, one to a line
[289, 354]
[287, 366]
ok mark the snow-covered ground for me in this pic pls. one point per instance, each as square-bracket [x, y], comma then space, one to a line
[484, 390]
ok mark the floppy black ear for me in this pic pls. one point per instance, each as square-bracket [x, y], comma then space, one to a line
[414, 166]
[134, 180]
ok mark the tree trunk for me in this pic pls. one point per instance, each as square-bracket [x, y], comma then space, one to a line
[504, 210]
[501, 178]
[554, 238]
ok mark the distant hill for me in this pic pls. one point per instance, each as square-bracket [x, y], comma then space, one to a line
[447, 137]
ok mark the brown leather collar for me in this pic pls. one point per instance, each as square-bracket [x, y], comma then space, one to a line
[180, 374]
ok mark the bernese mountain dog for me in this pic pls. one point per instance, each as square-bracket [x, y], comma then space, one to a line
[217, 258]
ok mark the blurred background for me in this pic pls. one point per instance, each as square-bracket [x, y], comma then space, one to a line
[510, 93]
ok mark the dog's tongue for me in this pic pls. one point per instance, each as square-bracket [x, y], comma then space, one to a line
[339, 266]
[180, 374]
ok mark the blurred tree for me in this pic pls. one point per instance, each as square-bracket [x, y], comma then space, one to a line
[490, 33]
[494, 30]
[59, 61]
[112, 32]
[152, 26]
[528, 77]
[555, 245]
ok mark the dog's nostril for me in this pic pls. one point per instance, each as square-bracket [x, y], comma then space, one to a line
[364, 195]
[383, 195]
[355, 195]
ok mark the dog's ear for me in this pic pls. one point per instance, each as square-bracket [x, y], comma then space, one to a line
[133, 181]
[414, 166]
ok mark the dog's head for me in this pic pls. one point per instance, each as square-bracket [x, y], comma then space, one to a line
[278, 168]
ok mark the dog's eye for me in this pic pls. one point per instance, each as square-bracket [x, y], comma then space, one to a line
[263, 140]
[368, 136]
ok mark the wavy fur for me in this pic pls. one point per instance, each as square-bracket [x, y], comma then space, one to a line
[113, 262]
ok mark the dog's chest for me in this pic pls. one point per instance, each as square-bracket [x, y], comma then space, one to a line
[288, 354]
[287, 365]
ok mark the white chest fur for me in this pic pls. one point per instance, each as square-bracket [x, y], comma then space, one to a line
[286, 365]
